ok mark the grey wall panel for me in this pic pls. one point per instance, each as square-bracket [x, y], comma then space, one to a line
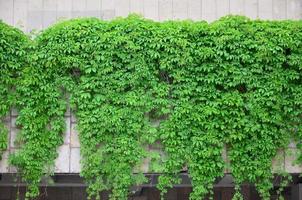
[165, 9]
[29, 15]
[209, 10]
[194, 9]
[151, 9]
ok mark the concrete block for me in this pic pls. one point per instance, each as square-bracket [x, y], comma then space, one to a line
[93, 8]
[49, 18]
[34, 21]
[63, 15]
[49, 12]
[122, 8]
[65, 5]
[14, 112]
[209, 10]
[145, 165]
[4, 167]
[13, 136]
[226, 160]
[13, 122]
[74, 139]
[94, 13]
[68, 111]
[73, 118]
[107, 5]
[20, 14]
[278, 164]
[165, 10]
[63, 160]
[180, 9]
[6, 11]
[294, 9]
[151, 9]
[93, 5]
[279, 9]
[290, 158]
[137, 6]
[68, 130]
[35, 15]
[237, 7]
[251, 8]
[108, 14]
[78, 8]
[223, 8]
[194, 9]
[265, 9]
[78, 5]
[64, 9]
[75, 158]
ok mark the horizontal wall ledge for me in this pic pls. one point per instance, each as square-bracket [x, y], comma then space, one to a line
[74, 180]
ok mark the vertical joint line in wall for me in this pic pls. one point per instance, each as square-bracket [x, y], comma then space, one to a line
[201, 9]
[172, 1]
[143, 7]
[273, 14]
[284, 152]
[286, 2]
[300, 14]
[86, 10]
[129, 7]
[70, 131]
[42, 13]
[101, 11]
[216, 13]
[71, 8]
[56, 9]
[9, 132]
[158, 18]
[13, 18]
[187, 3]
[257, 8]
[243, 3]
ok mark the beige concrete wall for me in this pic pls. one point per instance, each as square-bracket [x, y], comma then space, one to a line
[39, 14]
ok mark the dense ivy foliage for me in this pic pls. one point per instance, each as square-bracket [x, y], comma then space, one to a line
[12, 60]
[233, 84]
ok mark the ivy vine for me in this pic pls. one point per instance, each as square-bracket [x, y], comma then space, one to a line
[234, 83]
[13, 44]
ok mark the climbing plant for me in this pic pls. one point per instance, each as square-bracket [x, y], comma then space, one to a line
[13, 44]
[194, 87]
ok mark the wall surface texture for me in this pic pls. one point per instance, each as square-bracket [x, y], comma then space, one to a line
[30, 15]
[38, 14]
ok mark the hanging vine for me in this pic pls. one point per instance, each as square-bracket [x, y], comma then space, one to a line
[13, 45]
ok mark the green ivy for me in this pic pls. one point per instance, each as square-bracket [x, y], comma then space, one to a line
[194, 87]
[12, 60]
